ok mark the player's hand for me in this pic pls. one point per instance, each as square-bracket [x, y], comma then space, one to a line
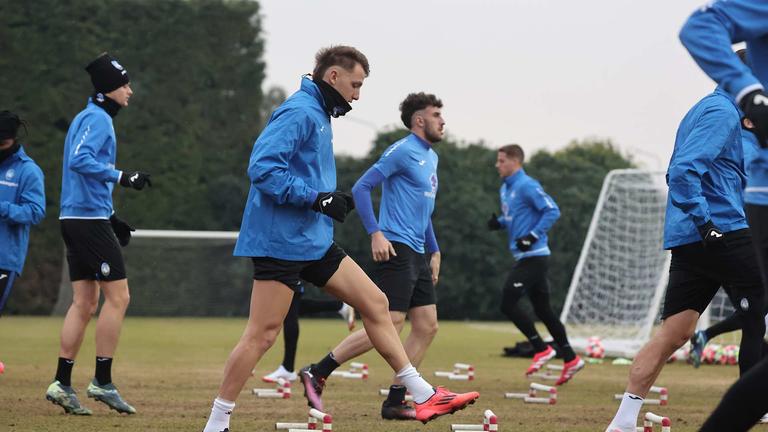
[135, 179]
[381, 248]
[524, 244]
[711, 235]
[336, 205]
[122, 230]
[493, 223]
[755, 107]
[434, 265]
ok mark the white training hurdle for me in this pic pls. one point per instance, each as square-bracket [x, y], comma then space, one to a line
[281, 391]
[531, 396]
[356, 371]
[315, 416]
[460, 372]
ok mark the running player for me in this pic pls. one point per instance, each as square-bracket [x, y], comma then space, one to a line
[93, 235]
[287, 231]
[407, 171]
[22, 202]
[708, 35]
[527, 214]
[706, 230]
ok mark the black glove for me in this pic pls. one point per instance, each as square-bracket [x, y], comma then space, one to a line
[711, 235]
[135, 179]
[525, 243]
[122, 230]
[334, 204]
[493, 223]
[755, 107]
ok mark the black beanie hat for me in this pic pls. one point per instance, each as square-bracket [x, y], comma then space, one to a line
[107, 74]
[9, 125]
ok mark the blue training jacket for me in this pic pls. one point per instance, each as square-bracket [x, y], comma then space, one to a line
[706, 173]
[292, 160]
[708, 35]
[526, 209]
[22, 204]
[408, 170]
[88, 174]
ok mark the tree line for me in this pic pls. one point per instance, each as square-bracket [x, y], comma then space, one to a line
[197, 70]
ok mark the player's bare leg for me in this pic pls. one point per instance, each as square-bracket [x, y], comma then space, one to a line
[270, 301]
[351, 285]
[674, 333]
[85, 300]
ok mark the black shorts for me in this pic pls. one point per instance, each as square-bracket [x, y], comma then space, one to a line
[528, 276]
[93, 252]
[316, 272]
[405, 279]
[697, 272]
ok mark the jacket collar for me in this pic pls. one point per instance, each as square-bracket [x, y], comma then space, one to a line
[514, 178]
[309, 86]
[421, 141]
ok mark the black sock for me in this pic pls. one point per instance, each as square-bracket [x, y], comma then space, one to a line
[104, 370]
[537, 343]
[327, 365]
[64, 371]
[396, 395]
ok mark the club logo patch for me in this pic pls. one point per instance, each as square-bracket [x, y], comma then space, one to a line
[105, 269]
[117, 65]
[433, 182]
[9, 174]
[744, 304]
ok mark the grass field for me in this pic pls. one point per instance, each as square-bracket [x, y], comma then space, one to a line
[169, 369]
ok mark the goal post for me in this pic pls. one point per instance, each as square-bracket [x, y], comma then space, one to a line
[620, 278]
[180, 273]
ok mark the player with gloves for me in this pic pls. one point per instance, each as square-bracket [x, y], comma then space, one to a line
[527, 214]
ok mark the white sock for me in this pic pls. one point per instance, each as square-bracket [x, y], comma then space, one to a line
[219, 419]
[626, 416]
[412, 380]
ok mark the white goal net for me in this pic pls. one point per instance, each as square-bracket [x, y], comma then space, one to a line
[621, 275]
[180, 273]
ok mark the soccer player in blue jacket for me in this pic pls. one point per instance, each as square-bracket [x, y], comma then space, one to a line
[527, 214]
[287, 232]
[706, 230]
[22, 202]
[708, 35]
[93, 235]
[400, 241]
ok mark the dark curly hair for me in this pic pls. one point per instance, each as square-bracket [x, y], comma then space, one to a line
[339, 55]
[415, 102]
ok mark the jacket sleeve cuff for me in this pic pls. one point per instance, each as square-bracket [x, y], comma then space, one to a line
[312, 197]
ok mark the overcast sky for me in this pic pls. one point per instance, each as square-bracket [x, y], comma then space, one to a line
[539, 73]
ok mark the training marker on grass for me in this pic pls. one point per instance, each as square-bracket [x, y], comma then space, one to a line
[650, 419]
[281, 391]
[490, 423]
[531, 397]
[315, 416]
[356, 371]
[461, 372]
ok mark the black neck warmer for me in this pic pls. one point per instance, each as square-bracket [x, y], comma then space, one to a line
[5, 154]
[107, 104]
[335, 105]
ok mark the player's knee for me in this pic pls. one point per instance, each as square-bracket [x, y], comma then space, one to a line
[426, 328]
[85, 307]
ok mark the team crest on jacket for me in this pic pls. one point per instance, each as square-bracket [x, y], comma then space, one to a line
[9, 174]
[105, 269]
[433, 182]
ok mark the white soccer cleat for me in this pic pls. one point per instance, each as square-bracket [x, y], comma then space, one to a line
[763, 419]
[280, 372]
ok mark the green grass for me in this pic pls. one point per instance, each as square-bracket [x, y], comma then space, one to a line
[169, 369]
